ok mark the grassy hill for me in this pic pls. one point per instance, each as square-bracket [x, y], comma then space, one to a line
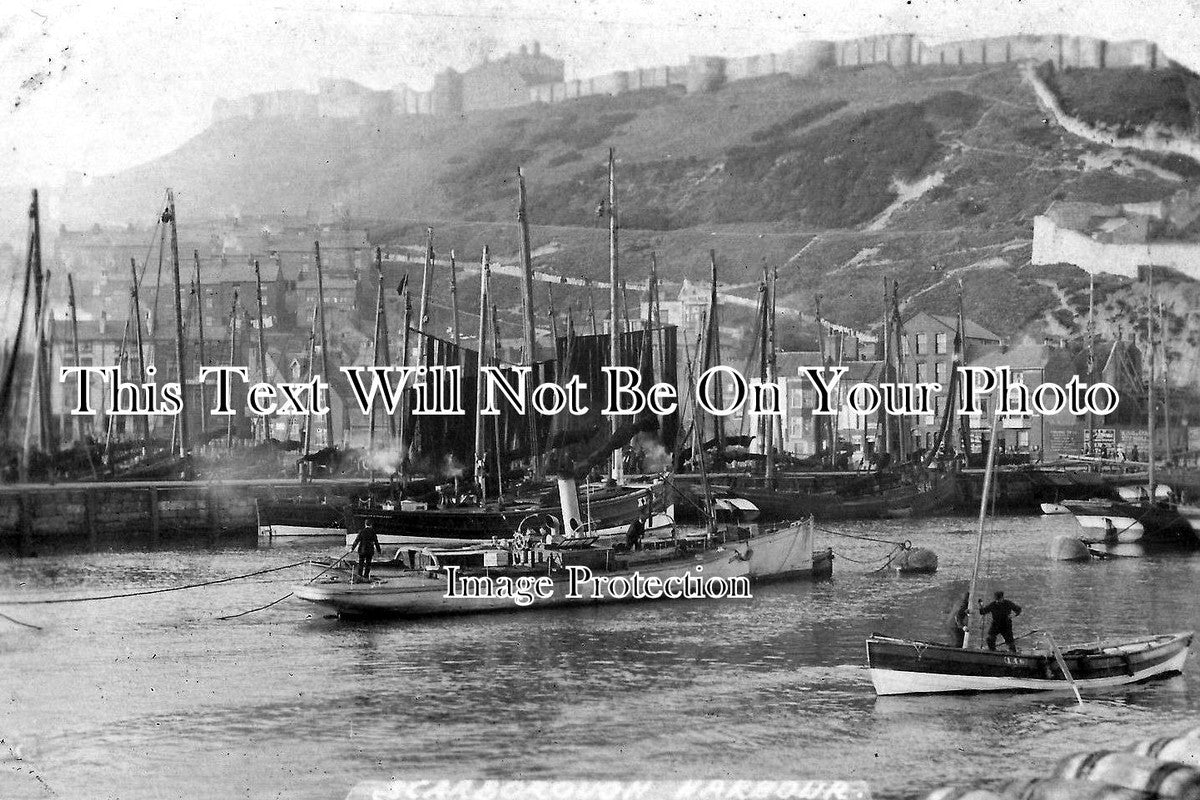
[928, 176]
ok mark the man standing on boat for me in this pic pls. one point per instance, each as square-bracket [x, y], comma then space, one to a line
[367, 545]
[1002, 611]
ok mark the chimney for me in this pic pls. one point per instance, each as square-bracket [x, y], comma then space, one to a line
[537, 49]
[103, 322]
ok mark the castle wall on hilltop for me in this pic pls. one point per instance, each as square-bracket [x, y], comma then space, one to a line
[529, 76]
[1065, 52]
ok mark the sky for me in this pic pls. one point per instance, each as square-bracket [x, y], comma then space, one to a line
[95, 87]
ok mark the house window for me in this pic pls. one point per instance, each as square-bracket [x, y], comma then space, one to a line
[904, 345]
[922, 371]
[939, 344]
[939, 371]
[921, 343]
[1023, 440]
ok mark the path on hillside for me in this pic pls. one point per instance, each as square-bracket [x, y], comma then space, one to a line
[954, 273]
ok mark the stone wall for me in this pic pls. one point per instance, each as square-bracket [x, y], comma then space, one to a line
[528, 76]
[1084, 52]
[1053, 244]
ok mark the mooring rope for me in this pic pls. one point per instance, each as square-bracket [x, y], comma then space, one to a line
[905, 544]
[290, 594]
[19, 622]
[144, 592]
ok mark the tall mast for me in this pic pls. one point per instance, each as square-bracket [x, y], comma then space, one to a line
[10, 369]
[885, 376]
[377, 345]
[34, 391]
[973, 593]
[169, 216]
[200, 341]
[825, 424]
[324, 340]
[1150, 398]
[74, 347]
[141, 351]
[764, 323]
[262, 346]
[712, 355]
[426, 285]
[553, 317]
[498, 438]
[614, 277]
[535, 461]
[41, 374]
[406, 438]
[654, 323]
[1166, 386]
[1091, 361]
[454, 299]
[625, 306]
[480, 443]
[964, 430]
[774, 424]
[385, 345]
[312, 361]
[899, 332]
[232, 360]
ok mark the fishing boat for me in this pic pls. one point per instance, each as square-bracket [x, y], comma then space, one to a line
[612, 509]
[576, 569]
[1149, 515]
[302, 517]
[904, 666]
[907, 666]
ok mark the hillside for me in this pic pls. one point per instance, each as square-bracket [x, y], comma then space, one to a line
[929, 176]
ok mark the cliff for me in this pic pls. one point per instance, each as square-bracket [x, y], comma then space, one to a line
[931, 176]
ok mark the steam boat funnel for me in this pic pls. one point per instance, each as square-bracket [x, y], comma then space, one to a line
[569, 501]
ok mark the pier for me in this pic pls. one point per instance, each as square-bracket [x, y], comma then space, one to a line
[146, 513]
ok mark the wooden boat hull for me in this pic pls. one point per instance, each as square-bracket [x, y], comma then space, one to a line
[774, 555]
[449, 527]
[287, 520]
[903, 666]
[784, 554]
[863, 502]
[421, 596]
[1152, 525]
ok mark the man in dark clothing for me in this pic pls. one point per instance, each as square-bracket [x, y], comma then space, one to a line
[367, 544]
[1002, 611]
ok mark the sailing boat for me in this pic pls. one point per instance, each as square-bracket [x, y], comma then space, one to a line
[1151, 520]
[906, 666]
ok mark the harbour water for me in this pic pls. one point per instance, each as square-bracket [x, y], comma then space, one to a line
[154, 697]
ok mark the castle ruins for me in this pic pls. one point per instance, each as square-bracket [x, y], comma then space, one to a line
[529, 76]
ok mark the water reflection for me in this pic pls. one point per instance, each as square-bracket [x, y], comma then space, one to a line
[283, 701]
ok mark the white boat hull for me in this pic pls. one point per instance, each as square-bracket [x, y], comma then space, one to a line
[427, 596]
[1096, 527]
[893, 682]
[781, 554]
[298, 532]
[1051, 509]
